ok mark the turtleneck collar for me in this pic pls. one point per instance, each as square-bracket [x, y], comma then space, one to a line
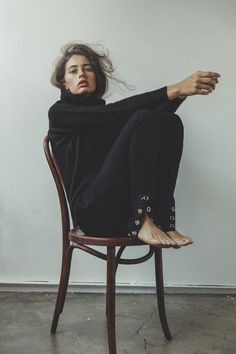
[81, 99]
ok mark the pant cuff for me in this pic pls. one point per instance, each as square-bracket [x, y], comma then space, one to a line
[141, 208]
[168, 222]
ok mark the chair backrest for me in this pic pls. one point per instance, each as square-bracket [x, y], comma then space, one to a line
[65, 218]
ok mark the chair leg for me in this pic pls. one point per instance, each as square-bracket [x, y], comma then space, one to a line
[117, 257]
[110, 299]
[160, 293]
[65, 273]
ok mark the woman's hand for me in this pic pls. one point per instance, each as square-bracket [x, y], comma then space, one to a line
[199, 83]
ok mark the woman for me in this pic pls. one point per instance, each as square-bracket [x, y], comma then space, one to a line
[119, 161]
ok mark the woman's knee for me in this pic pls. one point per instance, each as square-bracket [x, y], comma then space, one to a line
[172, 121]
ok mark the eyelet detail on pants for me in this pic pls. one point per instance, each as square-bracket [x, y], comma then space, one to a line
[173, 208]
[145, 197]
[172, 218]
[135, 221]
[172, 226]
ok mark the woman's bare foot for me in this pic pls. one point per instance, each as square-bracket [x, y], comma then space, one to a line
[154, 236]
[179, 239]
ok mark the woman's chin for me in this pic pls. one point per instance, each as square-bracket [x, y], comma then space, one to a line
[84, 92]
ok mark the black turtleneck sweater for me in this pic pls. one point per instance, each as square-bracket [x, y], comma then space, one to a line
[83, 129]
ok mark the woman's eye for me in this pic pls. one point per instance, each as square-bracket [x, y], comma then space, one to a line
[73, 71]
[88, 68]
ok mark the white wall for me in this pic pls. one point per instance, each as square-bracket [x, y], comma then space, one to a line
[153, 43]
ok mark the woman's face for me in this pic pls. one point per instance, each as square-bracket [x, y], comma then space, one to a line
[79, 76]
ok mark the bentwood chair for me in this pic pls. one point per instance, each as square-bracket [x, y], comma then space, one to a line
[75, 239]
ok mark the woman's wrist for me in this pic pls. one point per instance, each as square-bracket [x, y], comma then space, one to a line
[173, 91]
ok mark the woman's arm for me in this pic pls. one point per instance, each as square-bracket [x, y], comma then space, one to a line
[71, 116]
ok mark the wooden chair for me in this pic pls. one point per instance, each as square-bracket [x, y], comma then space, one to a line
[75, 239]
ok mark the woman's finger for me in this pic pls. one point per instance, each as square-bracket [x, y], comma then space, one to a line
[204, 87]
[202, 92]
[207, 80]
[208, 74]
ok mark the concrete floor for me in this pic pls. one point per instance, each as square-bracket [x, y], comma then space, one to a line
[199, 324]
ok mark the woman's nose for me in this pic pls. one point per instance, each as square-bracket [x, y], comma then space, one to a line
[81, 73]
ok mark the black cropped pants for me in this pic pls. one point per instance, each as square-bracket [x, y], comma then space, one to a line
[138, 177]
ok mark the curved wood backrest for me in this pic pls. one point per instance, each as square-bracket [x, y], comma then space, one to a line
[65, 219]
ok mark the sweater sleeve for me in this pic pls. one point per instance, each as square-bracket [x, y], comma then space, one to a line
[169, 106]
[71, 116]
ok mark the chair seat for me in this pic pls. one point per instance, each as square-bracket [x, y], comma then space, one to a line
[77, 236]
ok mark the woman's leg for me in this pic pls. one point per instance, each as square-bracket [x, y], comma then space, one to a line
[123, 178]
[127, 182]
[171, 147]
[144, 168]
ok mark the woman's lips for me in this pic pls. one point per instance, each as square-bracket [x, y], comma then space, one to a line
[83, 84]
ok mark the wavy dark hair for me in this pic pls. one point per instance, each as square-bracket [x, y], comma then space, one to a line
[100, 62]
